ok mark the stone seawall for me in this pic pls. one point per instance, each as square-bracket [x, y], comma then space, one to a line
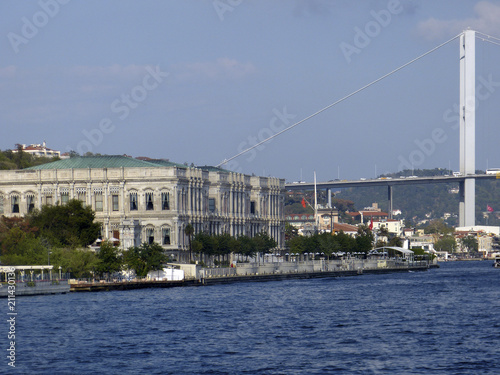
[304, 275]
[35, 288]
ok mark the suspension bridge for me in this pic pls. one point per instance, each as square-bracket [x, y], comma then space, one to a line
[467, 107]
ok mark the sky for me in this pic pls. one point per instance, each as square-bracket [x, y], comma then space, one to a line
[198, 81]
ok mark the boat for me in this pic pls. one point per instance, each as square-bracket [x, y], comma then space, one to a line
[496, 262]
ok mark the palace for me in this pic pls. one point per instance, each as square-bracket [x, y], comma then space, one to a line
[140, 201]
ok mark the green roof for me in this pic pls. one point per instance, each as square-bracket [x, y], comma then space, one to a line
[166, 163]
[116, 161]
[107, 161]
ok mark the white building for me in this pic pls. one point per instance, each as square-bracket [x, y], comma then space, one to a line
[393, 226]
[151, 201]
[39, 150]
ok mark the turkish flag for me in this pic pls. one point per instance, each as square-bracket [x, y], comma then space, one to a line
[303, 203]
[489, 208]
[371, 224]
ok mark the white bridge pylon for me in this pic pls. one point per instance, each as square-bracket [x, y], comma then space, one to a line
[466, 212]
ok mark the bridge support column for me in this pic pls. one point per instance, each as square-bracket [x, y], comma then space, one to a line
[467, 127]
[329, 195]
[467, 205]
[389, 196]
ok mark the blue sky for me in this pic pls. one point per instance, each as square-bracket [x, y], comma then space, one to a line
[198, 81]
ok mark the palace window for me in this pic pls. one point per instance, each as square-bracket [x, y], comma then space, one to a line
[133, 201]
[15, 204]
[211, 204]
[165, 198]
[30, 198]
[150, 235]
[114, 201]
[81, 196]
[98, 202]
[166, 236]
[48, 200]
[252, 207]
[64, 198]
[149, 201]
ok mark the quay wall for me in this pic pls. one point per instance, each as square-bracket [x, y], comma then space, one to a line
[254, 272]
[34, 288]
[249, 269]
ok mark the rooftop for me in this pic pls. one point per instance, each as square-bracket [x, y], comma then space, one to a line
[107, 161]
[117, 161]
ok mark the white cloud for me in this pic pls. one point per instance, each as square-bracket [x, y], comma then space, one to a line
[485, 20]
[107, 72]
[222, 68]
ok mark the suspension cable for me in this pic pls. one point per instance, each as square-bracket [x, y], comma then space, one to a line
[338, 101]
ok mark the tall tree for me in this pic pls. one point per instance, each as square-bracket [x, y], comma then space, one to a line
[263, 243]
[70, 224]
[470, 244]
[109, 259]
[145, 258]
[446, 243]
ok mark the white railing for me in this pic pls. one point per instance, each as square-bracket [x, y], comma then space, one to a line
[217, 272]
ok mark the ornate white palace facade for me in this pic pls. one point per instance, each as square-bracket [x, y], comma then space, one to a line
[150, 200]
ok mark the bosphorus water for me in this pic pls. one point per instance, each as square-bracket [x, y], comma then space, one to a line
[443, 321]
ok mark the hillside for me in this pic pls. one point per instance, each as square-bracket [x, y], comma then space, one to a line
[421, 202]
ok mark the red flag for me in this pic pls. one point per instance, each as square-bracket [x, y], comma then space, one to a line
[371, 224]
[303, 203]
[489, 208]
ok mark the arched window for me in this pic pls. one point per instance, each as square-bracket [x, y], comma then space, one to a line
[133, 201]
[30, 200]
[165, 234]
[14, 199]
[81, 195]
[150, 235]
[165, 200]
[149, 201]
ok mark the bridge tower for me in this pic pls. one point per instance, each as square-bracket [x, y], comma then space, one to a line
[467, 127]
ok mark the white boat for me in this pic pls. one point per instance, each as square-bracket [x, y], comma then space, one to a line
[496, 262]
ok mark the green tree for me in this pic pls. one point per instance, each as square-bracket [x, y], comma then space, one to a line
[263, 243]
[346, 242]
[470, 243]
[109, 259]
[225, 245]
[446, 243]
[70, 224]
[364, 239]
[145, 258]
[395, 241]
[246, 246]
[80, 263]
[438, 226]
[297, 245]
[19, 243]
[205, 244]
[290, 231]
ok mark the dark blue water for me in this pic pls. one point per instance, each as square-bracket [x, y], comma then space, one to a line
[443, 321]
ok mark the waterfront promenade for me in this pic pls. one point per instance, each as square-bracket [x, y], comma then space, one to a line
[254, 272]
